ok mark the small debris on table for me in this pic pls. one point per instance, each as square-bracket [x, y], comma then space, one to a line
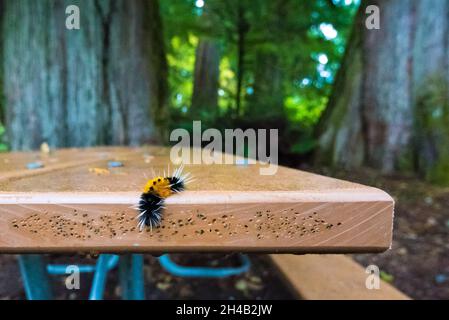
[147, 158]
[34, 165]
[115, 164]
[45, 148]
[99, 171]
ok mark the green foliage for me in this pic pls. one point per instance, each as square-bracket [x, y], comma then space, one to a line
[305, 111]
[181, 61]
[227, 85]
[303, 41]
[3, 146]
[385, 276]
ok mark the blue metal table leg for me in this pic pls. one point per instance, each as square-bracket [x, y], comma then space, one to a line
[35, 277]
[131, 277]
[99, 280]
[61, 269]
[204, 272]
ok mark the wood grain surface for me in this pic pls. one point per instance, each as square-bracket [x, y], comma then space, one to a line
[331, 277]
[75, 203]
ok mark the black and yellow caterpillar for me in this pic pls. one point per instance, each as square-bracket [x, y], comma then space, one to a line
[156, 190]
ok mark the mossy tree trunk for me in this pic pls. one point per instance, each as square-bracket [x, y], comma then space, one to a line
[389, 107]
[430, 87]
[102, 84]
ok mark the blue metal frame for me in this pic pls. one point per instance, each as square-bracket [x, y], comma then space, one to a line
[60, 269]
[204, 272]
[104, 263]
[34, 277]
[131, 277]
[36, 280]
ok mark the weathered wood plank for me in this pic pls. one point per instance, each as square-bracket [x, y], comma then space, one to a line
[227, 208]
[330, 277]
[14, 165]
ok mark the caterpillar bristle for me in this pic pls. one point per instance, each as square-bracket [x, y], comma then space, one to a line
[150, 206]
[176, 184]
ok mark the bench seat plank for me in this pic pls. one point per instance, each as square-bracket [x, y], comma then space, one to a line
[330, 277]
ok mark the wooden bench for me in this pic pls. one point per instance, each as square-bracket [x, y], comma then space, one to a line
[330, 277]
[75, 203]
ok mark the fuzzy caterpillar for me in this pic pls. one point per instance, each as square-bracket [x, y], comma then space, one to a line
[156, 190]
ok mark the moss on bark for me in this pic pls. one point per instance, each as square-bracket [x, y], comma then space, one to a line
[432, 129]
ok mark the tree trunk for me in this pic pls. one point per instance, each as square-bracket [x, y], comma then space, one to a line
[268, 98]
[430, 87]
[205, 86]
[102, 84]
[375, 114]
[242, 30]
[341, 140]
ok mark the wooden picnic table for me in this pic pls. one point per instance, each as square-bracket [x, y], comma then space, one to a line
[75, 203]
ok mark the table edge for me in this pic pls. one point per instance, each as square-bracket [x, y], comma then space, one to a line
[199, 197]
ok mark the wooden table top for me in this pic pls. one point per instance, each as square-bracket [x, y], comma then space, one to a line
[75, 203]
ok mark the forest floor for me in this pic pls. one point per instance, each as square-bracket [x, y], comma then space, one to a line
[417, 264]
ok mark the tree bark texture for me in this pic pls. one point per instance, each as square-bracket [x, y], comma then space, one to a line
[389, 107]
[102, 84]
